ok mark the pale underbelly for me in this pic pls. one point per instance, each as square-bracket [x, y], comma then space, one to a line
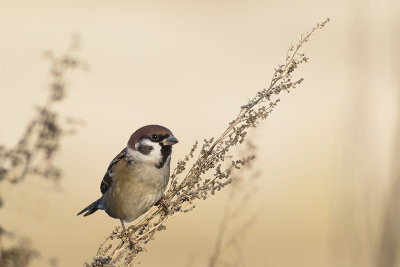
[128, 202]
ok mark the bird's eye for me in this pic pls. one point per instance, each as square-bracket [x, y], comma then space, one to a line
[154, 136]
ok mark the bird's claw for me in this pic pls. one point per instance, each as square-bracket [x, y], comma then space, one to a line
[125, 236]
[163, 203]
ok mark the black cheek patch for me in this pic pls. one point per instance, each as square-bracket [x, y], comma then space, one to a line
[145, 150]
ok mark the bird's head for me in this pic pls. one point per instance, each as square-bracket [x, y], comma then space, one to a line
[153, 144]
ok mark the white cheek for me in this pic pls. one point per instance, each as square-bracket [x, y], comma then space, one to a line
[154, 156]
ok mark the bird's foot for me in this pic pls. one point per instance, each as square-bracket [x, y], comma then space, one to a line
[131, 244]
[164, 204]
[126, 237]
[125, 234]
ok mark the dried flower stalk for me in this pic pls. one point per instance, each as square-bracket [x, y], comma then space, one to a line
[35, 150]
[210, 171]
[34, 153]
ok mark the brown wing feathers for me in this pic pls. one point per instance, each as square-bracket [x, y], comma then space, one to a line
[105, 185]
[107, 179]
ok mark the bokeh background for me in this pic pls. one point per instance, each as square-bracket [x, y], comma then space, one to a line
[328, 153]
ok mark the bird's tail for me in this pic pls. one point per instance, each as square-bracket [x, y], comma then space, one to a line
[91, 208]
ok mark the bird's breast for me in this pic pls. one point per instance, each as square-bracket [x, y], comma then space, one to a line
[136, 188]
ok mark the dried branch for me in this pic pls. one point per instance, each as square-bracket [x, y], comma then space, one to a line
[35, 150]
[34, 153]
[212, 167]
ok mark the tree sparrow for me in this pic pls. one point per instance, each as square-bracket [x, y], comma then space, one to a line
[137, 177]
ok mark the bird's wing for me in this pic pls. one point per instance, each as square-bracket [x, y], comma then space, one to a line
[107, 179]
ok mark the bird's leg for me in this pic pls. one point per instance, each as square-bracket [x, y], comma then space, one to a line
[123, 226]
[124, 231]
[163, 204]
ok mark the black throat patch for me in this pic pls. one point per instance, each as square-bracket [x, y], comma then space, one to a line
[165, 152]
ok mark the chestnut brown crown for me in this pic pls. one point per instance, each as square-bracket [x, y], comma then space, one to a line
[148, 131]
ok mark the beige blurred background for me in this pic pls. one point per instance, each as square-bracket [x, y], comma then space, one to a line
[328, 153]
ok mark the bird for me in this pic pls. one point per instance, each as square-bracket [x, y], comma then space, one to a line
[137, 177]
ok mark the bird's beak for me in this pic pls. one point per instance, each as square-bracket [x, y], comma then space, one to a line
[170, 140]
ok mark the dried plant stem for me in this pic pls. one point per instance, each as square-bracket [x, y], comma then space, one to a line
[186, 186]
[34, 153]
